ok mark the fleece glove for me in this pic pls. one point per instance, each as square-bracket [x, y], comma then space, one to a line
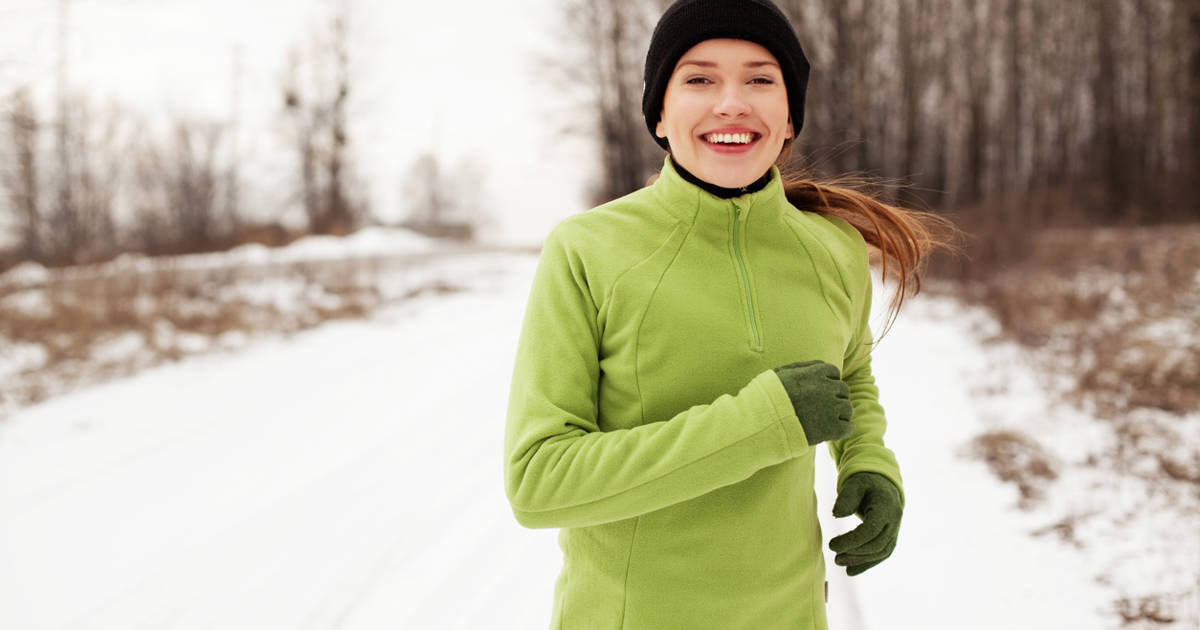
[821, 399]
[877, 501]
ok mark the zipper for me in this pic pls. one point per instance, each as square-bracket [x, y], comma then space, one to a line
[737, 253]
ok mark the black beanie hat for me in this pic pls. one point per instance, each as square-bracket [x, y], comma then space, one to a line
[689, 22]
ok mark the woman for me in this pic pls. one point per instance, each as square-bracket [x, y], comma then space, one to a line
[686, 347]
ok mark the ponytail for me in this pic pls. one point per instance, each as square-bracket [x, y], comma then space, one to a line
[902, 238]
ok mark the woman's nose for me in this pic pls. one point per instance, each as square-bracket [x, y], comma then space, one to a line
[731, 103]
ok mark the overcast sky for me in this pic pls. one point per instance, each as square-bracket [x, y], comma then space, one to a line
[458, 78]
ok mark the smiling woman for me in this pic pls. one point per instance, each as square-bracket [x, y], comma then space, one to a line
[686, 347]
[728, 112]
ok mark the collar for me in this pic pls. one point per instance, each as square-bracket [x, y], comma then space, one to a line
[691, 203]
[721, 191]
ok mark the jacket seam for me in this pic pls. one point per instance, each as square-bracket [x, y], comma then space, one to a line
[562, 597]
[572, 256]
[856, 313]
[837, 266]
[628, 565]
[611, 290]
[637, 335]
[792, 225]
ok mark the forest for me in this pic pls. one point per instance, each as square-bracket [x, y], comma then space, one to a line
[1067, 113]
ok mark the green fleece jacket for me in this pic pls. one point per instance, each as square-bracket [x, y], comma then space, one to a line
[646, 421]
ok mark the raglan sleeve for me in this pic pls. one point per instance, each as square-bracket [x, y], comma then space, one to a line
[561, 470]
[864, 449]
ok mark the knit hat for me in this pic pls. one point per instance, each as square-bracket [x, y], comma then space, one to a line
[689, 22]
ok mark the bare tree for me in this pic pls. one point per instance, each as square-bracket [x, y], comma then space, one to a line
[305, 122]
[64, 213]
[1014, 119]
[605, 44]
[429, 199]
[191, 178]
[180, 191]
[315, 94]
[232, 175]
[99, 168]
[21, 179]
[913, 66]
[1187, 14]
[441, 203]
[1107, 143]
[79, 226]
[338, 212]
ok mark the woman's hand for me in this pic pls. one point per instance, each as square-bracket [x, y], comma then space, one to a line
[877, 500]
[821, 399]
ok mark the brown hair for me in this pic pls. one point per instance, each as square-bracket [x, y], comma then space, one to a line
[902, 238]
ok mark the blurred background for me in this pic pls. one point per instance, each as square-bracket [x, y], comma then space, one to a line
[183, 182]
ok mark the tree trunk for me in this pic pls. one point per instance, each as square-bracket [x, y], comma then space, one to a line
[23, 185]
[1107, 138]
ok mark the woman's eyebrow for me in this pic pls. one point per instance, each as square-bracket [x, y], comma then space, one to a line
[712, 64]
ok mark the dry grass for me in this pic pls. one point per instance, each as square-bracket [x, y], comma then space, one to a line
[94, 327]
[1017, 458]
[1111, 318]
[1066, 529]
[1115, 314]
[1143, 612]
[1118, 307]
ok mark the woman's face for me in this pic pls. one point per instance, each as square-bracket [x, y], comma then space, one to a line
[725, 112]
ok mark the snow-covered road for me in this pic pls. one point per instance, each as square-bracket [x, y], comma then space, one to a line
[350, 477]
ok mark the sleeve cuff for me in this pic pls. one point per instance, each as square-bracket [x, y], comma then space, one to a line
[891, 474]
[785, 414]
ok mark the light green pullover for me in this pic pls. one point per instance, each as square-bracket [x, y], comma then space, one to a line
[645, 419]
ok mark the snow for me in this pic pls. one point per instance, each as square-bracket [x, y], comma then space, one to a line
[32, 302]
[27, 273]
[255, 290]
[118, 347]
[965, 557]
[371, 242]
[365, 242]
[18, 357]
[350, 476]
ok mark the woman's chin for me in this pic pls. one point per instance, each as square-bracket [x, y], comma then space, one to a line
[731, 173]
[728, 180]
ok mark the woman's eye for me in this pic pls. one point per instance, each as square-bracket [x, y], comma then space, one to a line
[763, 80]
[697, 80]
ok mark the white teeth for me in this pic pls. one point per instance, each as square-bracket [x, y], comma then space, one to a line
[730, 138]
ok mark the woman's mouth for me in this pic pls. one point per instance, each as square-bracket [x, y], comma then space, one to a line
[725, 142]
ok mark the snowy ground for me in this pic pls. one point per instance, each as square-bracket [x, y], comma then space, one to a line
[350, 477]
[65, 327]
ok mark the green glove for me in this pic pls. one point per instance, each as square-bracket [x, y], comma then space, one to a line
[877, 500]
[821, 399]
